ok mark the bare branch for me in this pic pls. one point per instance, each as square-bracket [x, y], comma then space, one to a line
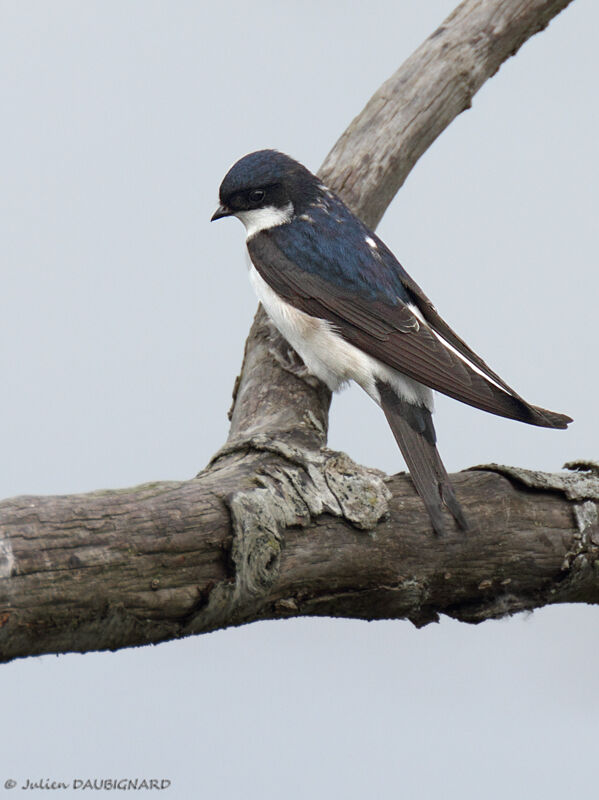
[319, 536]
[372, 159]
[277, 525]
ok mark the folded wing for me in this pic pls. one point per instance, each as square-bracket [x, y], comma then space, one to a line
[405, 332]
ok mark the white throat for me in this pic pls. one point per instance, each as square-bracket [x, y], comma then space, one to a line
[259, 219]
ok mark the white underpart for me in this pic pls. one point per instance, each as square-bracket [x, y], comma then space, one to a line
[473, 367]
[259, 219]
[328, 356]
[370, 242]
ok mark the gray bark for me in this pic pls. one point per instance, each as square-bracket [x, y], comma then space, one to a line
[277, 525]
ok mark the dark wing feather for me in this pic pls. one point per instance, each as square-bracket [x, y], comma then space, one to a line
[390, 332]
[431, 315]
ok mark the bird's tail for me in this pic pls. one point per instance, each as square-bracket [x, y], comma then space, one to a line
[412, 426]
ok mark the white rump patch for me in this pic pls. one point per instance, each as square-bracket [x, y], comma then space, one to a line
[259, 219]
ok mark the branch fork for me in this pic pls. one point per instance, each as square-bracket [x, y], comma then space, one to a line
[277, 525]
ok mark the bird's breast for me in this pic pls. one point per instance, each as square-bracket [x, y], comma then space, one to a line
[321, 349]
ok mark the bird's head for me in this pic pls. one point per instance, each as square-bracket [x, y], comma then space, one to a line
[265, 189]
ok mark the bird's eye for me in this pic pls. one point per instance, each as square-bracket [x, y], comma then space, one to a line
[256, 196]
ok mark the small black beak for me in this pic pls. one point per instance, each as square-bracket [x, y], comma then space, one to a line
[221, 211]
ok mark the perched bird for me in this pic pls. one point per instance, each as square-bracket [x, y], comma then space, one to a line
[346, 305]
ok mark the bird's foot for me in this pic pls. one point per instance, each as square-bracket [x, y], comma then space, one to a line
[290, 362]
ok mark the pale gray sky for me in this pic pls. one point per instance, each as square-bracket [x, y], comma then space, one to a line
[122, 320]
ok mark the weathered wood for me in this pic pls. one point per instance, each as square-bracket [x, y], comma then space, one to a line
[272, 531]
[374, 156]
[277, 525]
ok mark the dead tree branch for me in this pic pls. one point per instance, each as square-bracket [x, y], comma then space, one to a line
[277, 525]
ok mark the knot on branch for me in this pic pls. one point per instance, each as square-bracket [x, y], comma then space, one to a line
[580, 484]
[581, 562]
[290, 490]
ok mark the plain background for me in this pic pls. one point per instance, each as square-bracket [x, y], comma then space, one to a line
[123, 314]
